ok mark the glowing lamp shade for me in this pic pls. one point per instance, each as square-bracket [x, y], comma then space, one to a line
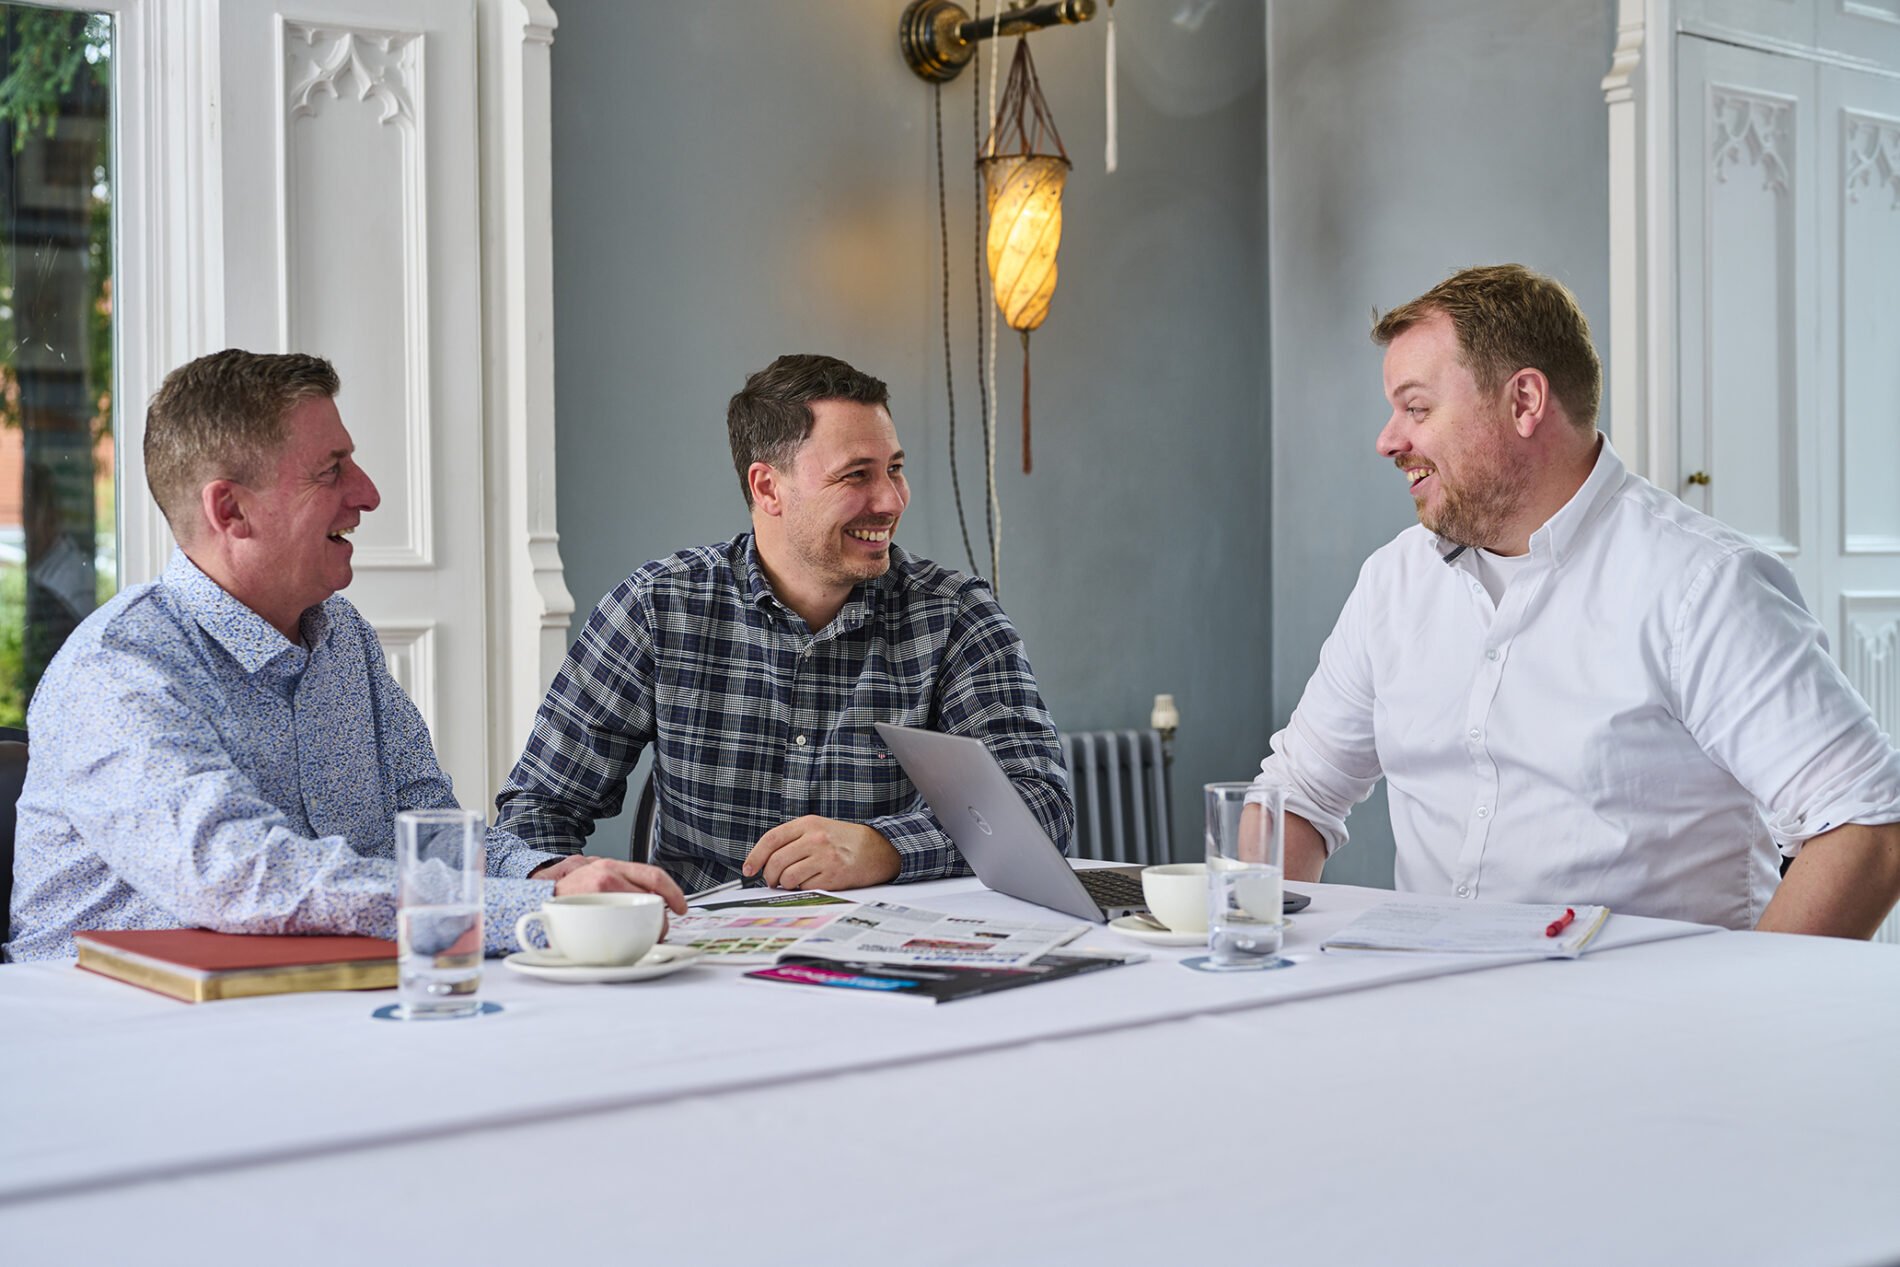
[1025, 209]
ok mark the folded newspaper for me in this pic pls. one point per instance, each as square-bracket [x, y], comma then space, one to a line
[881, 933]
[1472, 928]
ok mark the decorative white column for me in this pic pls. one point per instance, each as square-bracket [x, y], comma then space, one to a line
[528, 602]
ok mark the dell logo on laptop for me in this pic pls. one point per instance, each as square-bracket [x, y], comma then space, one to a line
[982, 824]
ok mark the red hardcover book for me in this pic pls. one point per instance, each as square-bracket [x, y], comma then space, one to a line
[197, 965]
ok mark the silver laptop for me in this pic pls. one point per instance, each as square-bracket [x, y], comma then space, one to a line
[998, 835]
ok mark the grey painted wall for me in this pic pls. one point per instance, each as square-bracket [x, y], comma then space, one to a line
[733, 180]
[1407, 138]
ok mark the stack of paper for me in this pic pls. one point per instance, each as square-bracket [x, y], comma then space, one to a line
[1472, 928]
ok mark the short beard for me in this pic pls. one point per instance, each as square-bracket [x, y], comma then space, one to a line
[1479, 516]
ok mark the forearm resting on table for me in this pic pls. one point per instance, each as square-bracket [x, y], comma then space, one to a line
[1842, 885]
[1305, 850]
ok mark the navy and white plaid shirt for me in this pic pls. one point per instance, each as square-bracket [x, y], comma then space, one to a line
[756, 720]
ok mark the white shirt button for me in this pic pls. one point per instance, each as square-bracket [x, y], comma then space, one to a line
[1463, 891]
[1484, 811]
[1491, 654]
[1472, 733]
[800, 741]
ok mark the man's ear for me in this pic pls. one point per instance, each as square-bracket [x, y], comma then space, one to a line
[222, 504]
[1527, 396]
[763, 480]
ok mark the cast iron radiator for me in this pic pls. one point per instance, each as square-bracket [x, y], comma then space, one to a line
[1120, 782]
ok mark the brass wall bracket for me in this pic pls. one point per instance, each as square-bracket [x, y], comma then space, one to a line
[939, 37]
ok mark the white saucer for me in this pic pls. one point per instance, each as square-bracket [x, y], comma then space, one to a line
[1129, 926]
[659, 961]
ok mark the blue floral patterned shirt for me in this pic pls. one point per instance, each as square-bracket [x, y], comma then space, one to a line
[192, 767]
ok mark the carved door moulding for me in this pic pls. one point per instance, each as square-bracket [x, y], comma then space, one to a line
[1752, 129]
[1872, 158]
[378, 64]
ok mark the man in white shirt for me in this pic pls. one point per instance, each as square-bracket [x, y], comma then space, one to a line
[1577, 688]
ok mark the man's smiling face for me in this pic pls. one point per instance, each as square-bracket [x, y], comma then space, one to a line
[1454, 443]
[843, 496]
[302, 519]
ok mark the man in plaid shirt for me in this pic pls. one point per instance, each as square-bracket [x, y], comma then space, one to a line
[757, 667]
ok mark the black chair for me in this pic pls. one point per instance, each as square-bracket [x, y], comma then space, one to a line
[640, 840]
[12, 777]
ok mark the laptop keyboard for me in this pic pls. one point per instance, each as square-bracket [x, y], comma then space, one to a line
[1112, 889]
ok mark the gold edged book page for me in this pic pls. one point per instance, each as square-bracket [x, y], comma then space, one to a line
[198, 966]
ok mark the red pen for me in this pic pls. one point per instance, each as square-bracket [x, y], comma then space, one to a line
[1560, 923]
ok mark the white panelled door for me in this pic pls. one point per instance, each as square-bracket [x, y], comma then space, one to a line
[1859, 385]
[1788, 188]
[350, 230]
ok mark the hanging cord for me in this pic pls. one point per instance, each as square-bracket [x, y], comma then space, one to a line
[1111, 149]
[995, 509]
[949, 376]
[979, 130]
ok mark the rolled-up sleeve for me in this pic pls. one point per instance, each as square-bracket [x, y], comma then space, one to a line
[1326, 759]
[1762, 696]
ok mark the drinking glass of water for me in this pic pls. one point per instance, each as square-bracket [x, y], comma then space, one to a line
[441, 855]
[1246, 844]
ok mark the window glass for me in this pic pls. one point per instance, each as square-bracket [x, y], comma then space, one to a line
[58, 495]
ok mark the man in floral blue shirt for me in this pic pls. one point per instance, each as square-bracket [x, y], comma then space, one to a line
[224, 748]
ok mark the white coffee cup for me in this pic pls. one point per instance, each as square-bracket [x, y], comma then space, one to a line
[606, 930]
[1177, 895]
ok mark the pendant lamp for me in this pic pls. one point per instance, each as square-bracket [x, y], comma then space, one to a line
[1022, 180]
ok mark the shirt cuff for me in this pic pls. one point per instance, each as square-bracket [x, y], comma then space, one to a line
[505, 902]
[510, 858]
[924, 851]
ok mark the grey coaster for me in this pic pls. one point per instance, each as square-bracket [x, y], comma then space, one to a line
[1202, 963]
[394, 1013]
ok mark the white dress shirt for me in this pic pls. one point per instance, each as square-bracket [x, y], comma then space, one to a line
[1647, 713]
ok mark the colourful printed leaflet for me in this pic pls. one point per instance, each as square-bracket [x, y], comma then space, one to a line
[749, 932]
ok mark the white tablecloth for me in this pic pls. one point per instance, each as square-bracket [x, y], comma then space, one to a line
[1644, 1104]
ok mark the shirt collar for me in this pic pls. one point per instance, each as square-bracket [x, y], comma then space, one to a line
[251, 640]
[1560, 532]
[864, 599]
[1563, 529]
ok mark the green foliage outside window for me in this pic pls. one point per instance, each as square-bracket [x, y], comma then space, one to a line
[56, 390]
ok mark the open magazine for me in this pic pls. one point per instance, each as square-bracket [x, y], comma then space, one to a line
[882, 933]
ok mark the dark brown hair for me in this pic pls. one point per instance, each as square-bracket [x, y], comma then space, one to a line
[770, 417]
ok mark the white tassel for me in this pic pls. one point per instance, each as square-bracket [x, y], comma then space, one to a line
[1112, 150]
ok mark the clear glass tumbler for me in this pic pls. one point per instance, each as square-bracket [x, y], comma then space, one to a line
[441, 855]
[1246, 841]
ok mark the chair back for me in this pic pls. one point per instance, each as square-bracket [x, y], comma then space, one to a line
[12, 777]
[640, 839]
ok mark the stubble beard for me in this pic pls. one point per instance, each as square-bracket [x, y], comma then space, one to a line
[1479, 514]
[826, 556]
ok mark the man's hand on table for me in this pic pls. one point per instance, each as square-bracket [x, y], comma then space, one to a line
[577, 874]
[822, 853]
